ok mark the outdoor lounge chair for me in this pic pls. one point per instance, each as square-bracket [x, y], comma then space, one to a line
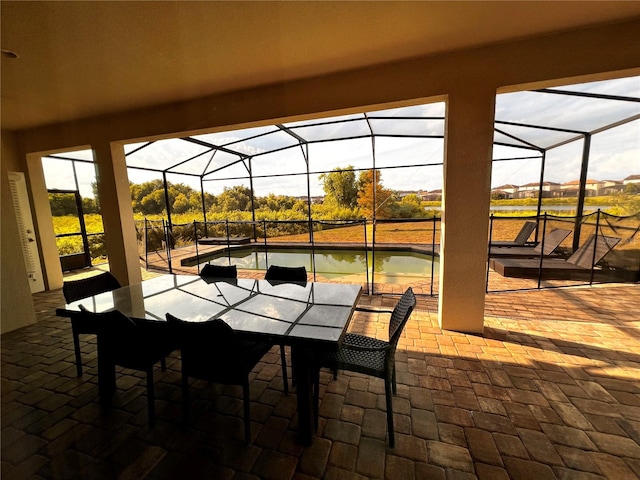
[552, 240]
[575, 267]
[521, 239]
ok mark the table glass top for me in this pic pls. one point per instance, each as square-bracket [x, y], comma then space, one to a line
[293, 311]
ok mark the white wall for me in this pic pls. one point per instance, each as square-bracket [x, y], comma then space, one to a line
[16, 305]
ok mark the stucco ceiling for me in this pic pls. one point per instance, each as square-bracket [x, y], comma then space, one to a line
[83, 59]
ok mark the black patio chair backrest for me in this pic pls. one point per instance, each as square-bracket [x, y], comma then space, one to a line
[286, 274]
[219, 271]
[212, 351]
[78, 289]
[131, 344]
[136, 345]
[87, 287]
[400, 316]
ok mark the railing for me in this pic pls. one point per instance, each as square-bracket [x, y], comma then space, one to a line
[374, 246]
[619, 263]
[373, 243]
[155, 237]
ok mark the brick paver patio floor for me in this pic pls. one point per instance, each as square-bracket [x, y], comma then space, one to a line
[550, 391]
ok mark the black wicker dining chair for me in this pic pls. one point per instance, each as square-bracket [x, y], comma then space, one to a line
[131, 344]
[230, 272]
[371, 356]
[212, 351]
[276, 273]
[78, 289]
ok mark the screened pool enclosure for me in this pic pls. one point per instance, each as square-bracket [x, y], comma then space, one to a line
[268, 184]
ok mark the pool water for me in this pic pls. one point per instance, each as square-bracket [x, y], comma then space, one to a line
[393, 266]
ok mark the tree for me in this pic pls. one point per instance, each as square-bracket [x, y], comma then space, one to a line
[181, 204]
[235, 198]
[632, 188]
[498, 196]
[340, 187]
[96, 195]
[148, 197]
[412, 199]
[625, 204]
[383, 197]
[90, 205]
[275, 202]
[409, 207]
[62, 204]
[153, 203]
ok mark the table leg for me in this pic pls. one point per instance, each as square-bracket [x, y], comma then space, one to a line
[302, 365]
[106, 372]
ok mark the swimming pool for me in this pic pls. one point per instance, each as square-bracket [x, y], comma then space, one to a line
[390, 266]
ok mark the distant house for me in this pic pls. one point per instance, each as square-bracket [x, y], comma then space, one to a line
[432, 196]
[531, 190]
[611, 187]
[571, 189]
[631, 179]
[499, 194]
[314, 199]
[404, 193]
[507, 191]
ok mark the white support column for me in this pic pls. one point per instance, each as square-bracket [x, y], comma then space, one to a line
[465, 215]
[52, 269]
[117, 213]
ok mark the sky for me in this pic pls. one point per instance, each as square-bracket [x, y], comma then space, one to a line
[614, 154]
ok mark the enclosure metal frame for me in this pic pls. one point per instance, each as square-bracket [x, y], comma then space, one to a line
[304, 143]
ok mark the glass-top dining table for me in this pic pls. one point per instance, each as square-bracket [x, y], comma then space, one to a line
[308, 316]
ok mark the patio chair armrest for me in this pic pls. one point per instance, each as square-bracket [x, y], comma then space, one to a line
[362, 348]
[372, 310]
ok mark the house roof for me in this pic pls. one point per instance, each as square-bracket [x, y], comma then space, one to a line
[577, 182]
[537, 184]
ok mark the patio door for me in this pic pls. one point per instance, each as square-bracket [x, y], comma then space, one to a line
[70, 229]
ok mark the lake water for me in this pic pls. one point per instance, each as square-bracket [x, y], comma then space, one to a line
[334, 264]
